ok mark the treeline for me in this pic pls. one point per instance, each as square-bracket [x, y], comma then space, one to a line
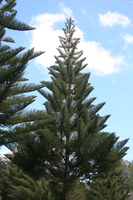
[61, 152]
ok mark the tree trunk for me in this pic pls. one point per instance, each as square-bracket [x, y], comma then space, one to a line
[66, 174]
[66, 194]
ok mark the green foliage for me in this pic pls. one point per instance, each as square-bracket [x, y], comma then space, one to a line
[15, 185]
[78, 191]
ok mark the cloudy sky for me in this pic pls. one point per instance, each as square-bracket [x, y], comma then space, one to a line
[106, 32]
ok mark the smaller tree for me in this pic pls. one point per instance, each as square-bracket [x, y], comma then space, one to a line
[15, 122]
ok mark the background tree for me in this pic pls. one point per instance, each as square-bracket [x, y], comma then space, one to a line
[127, 168]
[14, 120]
[108, 185]
[70, 146]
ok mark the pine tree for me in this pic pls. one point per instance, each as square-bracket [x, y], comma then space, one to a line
[13, 87]
[108, 185]
[73, 146]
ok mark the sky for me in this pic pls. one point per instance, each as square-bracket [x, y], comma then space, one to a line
[106, 32]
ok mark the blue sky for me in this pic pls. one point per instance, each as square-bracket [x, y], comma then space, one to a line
[106, 32]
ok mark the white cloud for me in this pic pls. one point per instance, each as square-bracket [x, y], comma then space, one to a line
[45, 37]
[111, 19]
[128, 38]
[65, 10]
[100, 60]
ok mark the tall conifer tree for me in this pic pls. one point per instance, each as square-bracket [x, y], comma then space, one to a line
[72, 146]
[13, 100]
